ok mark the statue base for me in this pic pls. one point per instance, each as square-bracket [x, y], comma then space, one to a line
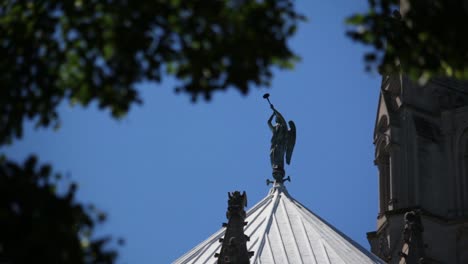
[278, 174]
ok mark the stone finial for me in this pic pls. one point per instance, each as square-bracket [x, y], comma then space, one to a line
[234, 243]
[413, 242]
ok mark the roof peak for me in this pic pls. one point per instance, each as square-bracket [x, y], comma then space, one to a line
[278, 187]
[282, 230]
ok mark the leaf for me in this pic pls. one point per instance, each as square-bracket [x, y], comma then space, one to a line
[355, 20]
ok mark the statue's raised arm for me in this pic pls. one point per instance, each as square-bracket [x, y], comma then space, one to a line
[279, 116]
[269, 122]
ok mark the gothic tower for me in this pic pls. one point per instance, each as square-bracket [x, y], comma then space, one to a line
[421, 152]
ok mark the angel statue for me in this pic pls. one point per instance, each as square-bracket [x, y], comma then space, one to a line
[282, 141]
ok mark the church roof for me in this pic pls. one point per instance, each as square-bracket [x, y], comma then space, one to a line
[282, 230]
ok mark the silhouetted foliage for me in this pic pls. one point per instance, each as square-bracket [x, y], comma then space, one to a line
[429, 38]
[37, 225]
[84, 51]
[98, 50]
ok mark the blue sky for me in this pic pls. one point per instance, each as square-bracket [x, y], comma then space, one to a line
[163, 172]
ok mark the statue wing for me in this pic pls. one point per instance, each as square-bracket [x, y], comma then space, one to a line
[291, 141]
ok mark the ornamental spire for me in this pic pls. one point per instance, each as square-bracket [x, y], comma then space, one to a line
[234, 247]
[282, 143]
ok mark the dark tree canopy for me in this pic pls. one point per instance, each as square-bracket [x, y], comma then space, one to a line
[428, 38]
[98, 50]
[37, 225]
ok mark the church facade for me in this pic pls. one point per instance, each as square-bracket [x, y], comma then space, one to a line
[421, 151]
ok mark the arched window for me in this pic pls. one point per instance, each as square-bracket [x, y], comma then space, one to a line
[382, 160]
[383, 164]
